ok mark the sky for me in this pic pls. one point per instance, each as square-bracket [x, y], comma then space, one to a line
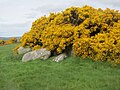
[16, 16]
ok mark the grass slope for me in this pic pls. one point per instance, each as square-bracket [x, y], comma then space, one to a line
[71, 74]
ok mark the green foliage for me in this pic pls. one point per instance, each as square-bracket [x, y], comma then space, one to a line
[90, 32]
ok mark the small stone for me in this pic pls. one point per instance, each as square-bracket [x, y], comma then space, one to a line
[23, 50]
[60, 57]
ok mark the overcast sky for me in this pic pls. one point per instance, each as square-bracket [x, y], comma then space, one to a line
[16, 16]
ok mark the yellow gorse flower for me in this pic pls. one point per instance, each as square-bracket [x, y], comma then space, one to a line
[90, 32]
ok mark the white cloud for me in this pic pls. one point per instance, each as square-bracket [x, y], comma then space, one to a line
[16, 29]
[16, 16]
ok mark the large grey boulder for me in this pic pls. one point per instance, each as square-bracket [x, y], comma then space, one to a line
[60, 57]
[37, 54]
[23, 50]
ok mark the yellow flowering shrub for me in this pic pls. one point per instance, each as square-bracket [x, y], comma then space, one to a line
[89, 32]
[11, 41]
[2, 42]
[15, 50]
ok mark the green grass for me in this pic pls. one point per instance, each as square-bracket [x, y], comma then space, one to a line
[71, 74]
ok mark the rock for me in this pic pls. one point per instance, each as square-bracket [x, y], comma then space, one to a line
[72, 53]
[60, 57]
[37, 54]
[23, 50]
[27, 57]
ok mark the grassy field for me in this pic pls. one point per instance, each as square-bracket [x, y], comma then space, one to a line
[71, 74]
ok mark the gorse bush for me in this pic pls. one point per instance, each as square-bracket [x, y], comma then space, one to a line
[2, 42]
[90, 32]
[9, 41]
